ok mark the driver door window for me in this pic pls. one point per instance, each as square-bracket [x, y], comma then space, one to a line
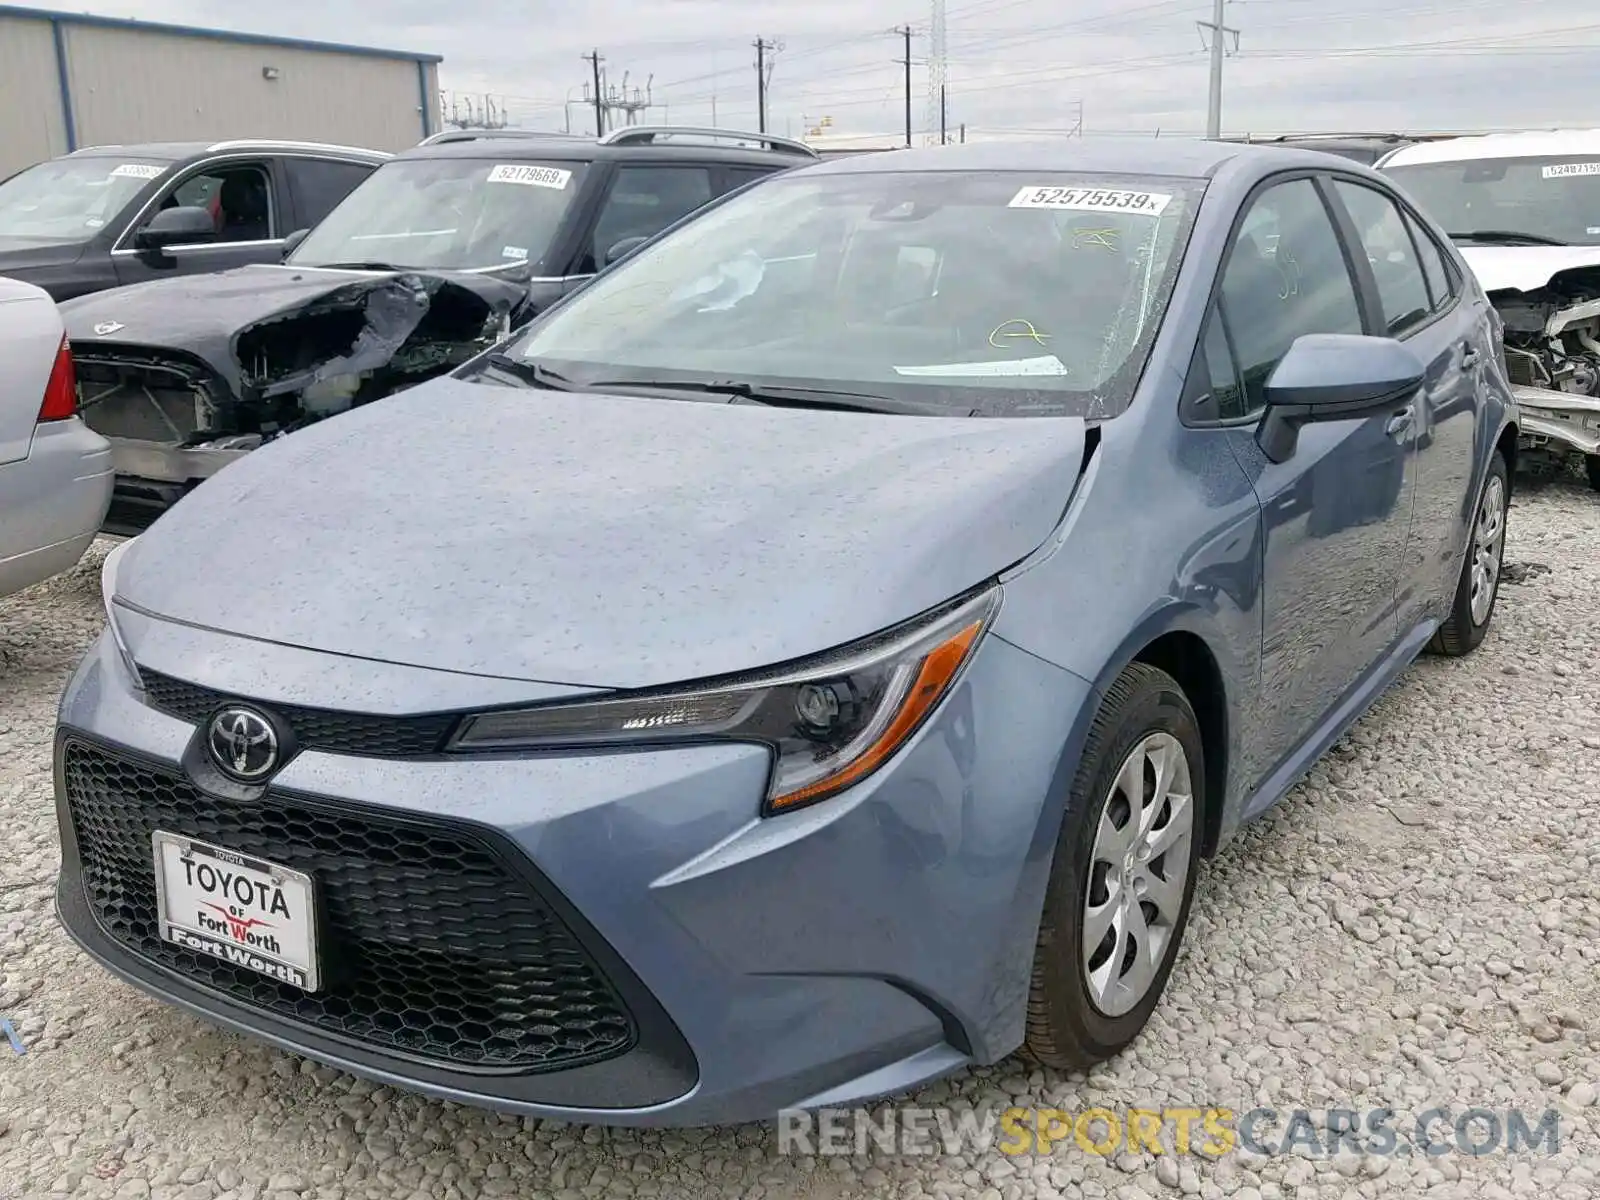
[1298, 284]
[239, 198]
[642, 202]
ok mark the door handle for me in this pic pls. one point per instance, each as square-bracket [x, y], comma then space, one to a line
[1399, 423]
[1469, 355]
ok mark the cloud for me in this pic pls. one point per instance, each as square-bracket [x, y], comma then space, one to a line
[1013, 66]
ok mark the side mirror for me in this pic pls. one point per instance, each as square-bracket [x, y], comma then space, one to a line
[176, 227]
[626, 246]
[292, 242]
[1335, 377]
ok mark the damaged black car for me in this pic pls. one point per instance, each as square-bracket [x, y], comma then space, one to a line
[437, 255]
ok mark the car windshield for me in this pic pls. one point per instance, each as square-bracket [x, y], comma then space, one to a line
[456, 214]
[71, 199]
[959, 292]
[1554, 198]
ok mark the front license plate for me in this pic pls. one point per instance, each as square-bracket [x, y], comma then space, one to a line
[251, 913]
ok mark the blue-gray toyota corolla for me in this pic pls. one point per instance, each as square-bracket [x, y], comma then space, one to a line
[811, 658]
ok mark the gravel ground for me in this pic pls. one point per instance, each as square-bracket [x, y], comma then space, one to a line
[1416, 926]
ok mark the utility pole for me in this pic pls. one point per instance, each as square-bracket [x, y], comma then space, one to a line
[938, 62]
[942, 113]
[963, 133]
[1219, 31]
[594, 60]
[763, 76]
[905, 31]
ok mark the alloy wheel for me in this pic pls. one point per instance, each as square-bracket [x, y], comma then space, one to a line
[1488, 544]
[1138, 870]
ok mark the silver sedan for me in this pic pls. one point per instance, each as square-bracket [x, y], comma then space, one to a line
[55, 472]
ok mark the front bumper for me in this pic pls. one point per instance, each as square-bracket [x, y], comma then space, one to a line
[828, 956]
[1568, 421]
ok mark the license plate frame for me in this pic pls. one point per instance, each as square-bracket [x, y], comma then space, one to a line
[296, 961]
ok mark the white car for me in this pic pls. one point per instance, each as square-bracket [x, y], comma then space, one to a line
[1524, 210]
[55, 472]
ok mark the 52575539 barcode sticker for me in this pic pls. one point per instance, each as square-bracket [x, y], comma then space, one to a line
[1148, 204]
[548, 177]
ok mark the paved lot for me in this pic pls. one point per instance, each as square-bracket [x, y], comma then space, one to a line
[1417, 926]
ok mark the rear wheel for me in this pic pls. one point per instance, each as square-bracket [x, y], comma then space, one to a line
[1479, 586]
[1123, 875]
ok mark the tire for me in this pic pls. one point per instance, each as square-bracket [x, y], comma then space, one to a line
[1592, 463]
[1464, 627]
[1069, 1027]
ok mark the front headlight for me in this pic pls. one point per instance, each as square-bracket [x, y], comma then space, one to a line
[108, 592]
[830, 722]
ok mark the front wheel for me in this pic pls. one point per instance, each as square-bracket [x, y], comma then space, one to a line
[1479, 586]
[1123, 875]
[1592, 463]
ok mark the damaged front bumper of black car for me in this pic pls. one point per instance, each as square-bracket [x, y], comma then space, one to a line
[178, 413]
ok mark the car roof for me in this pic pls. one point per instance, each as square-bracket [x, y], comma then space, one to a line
[656, 143]
[1532, 144]
[176, 152]
[1193, 158]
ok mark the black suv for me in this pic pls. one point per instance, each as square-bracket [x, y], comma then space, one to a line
[106, 216]
[440, 253]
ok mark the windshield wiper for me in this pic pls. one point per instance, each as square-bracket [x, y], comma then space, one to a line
[1511, 237]
[529, 372]
[352, 266]
[780, 395]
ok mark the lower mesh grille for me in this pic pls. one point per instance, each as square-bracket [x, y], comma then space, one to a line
[431, 945]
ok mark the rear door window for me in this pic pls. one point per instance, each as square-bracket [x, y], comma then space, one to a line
[319, 184]
[644, 200]
[1402, 287]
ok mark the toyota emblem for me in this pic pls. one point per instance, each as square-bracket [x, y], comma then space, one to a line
[243, 744]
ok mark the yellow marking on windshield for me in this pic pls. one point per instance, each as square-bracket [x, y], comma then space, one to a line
[1027, 331]
[1106, 239]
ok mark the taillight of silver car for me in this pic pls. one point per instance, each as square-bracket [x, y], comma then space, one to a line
[61, 392]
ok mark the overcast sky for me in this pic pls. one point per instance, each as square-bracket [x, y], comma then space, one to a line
[1014, 65]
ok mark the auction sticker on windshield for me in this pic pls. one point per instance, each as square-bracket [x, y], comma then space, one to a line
[138, 171]
[253, 914]
[1562, 170]
[531, 176]
[1151, 204]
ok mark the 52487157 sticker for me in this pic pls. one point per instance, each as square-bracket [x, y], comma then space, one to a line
[531, 176]
[1564, 170]
[1078, 199]
[138, 171]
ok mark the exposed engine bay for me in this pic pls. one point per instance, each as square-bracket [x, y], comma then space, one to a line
[1552, 348]
[180, 408]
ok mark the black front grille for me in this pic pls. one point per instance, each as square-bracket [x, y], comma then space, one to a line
[430, 942]
[314, 728]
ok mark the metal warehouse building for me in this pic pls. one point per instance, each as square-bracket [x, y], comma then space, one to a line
[69, 80]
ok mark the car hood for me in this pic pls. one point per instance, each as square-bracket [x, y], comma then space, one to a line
[204, 315]
[21, 255]
[600, 541]
[1525, 268]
